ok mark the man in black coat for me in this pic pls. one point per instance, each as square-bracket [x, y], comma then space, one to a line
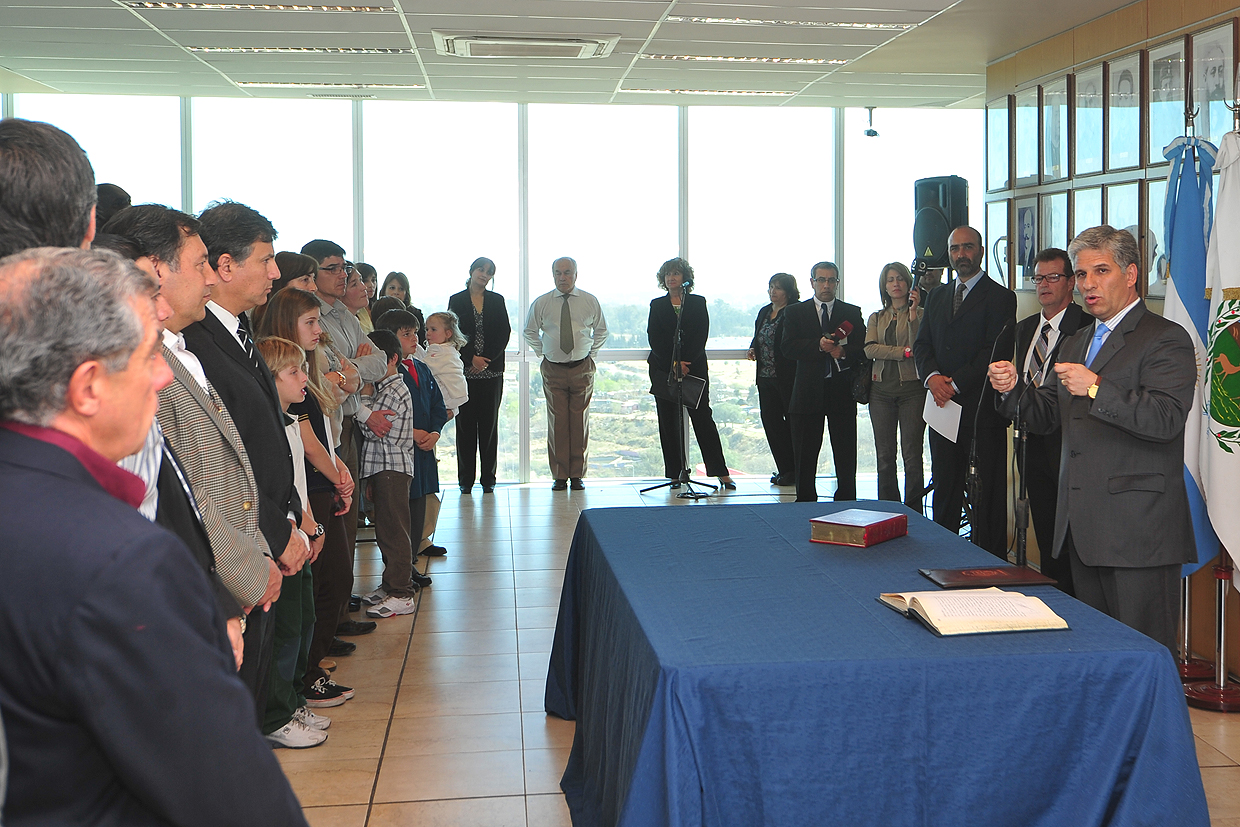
[1038, 342]
[968, 323]
[826, 337]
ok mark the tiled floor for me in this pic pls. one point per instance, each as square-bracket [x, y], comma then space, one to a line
[447, 727]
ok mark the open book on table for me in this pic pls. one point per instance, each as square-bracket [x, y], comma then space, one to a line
[975, 611]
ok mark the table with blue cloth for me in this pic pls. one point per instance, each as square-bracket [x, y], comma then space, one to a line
[724, 670]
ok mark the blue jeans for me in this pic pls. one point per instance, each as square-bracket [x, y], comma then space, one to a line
[887, 410]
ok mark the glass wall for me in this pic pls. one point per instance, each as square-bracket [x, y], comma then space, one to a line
[441, 184]
[132, 142]
[288, 159]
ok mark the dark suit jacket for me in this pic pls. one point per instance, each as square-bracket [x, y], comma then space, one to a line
[496, 329]
[1074, 318]
[802, 335]
[962, 347]
[126, 707]
[694, 331]
[250, 395]
[1121, 479]
[785, 368]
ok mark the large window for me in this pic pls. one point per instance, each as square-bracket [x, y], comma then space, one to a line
[760, 202]
[288, 159]
[132, 142]
[440, 189]
[603, 191]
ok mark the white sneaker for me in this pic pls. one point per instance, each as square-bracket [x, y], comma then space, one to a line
[393, 606]
[374, 598]
[296, 735]
[307, 717]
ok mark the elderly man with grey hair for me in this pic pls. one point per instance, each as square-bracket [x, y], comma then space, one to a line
[128, 708]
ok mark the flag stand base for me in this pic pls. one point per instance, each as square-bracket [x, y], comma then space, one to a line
[1221, 695]
[1191, 668]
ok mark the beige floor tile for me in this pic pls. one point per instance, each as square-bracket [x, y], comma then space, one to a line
[1222, 791]
[547, 810]
[538, 580]
[486, 642]
[533, 665]
[458, 699]
[542, 731]
[1208, 756]
[351, 816]
[466, 599]
[537, 617]
[454, 733]
[468, 620]
[535, 640]
[330, 783]
[458, 580]
[346, 741]
[365, 674]
[377, 647]
[533, 694]
[543, 769]
[452, 775]
[460, 669]
[367, 705]
[534, 597]
[540, 561]
[462, 812]
[490, 562]
[399, 625]
[1218, 729]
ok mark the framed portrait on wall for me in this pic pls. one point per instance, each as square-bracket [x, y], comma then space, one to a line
[1166, 87]
[1088, 98]
[1213, 82]
[1086, 209]
[1055, 130]
[1026, 242]
[996, 261]
[1124, 112]
[1053, 228]
[1027, 137]
[1155, 249]
[998, 147]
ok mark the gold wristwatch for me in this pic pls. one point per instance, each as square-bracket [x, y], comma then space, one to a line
[1093, 391]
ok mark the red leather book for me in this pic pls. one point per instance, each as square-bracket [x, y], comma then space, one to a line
[858, 527]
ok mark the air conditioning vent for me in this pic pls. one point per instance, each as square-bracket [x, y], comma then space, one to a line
[338, 95]
[475, 45]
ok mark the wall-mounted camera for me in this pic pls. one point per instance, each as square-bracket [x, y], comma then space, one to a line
[871, 132]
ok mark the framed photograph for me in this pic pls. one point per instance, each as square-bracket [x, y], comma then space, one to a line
[1166, 88]
[1086, 209]
[1124, 112]
[1155, 248]
[1088, 101]
[1053, 228]
[997, 246]
[1026, 239]
[1123, 208]
[998, 147]
[1055, 130]
[1027, 137]
[1213, 80]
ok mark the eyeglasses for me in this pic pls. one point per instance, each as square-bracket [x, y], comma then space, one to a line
[821, 280]
[1053, 278]
[337, 269]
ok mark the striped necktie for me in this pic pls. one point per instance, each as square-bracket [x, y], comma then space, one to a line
[958, 299]
[1039, 355]
[247, 343]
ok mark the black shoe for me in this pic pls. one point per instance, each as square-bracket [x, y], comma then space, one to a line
[576, 484]
[355, 604]
[419, 579]
[488, 489]
[559, 485]
[433, 551]
[674, 486]
[465, 489]
[774, 479]
[340, 648]
[783, 479]
[352, 628]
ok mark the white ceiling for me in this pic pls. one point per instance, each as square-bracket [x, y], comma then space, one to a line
[106, 47]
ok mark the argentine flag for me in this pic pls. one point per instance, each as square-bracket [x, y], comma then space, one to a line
[1187, 217]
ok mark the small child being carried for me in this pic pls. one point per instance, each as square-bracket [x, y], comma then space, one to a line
[442, 355]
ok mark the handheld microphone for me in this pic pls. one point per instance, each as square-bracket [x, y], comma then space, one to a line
[841, 332]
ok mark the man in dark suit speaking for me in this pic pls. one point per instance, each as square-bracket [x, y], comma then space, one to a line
[966, 321]
[1121, 392]
[826, 336]
[1038, 340]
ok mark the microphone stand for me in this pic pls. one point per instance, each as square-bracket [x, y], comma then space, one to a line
[683, 422]
[972, 483]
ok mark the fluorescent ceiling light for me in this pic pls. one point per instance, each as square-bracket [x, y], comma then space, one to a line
[153, 4]
[799, 61]
[294, 50]
[264, 85]
[477, 45]
[819, 24]
[708, 92]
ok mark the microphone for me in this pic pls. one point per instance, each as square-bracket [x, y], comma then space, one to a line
[841, 332]
[971, 480]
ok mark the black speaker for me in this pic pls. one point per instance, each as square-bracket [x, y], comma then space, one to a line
[940, 204]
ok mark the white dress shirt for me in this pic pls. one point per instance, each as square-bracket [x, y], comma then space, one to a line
[589, 326]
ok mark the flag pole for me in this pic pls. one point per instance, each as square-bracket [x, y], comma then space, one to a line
[1218, 695]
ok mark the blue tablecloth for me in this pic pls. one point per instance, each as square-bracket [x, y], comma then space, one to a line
[723, 670]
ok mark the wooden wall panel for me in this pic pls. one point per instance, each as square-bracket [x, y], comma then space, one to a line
[1000, 78]
[1111, 33]
[1167, 15]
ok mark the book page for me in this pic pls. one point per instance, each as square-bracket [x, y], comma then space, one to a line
[958, 613]
[900, 600]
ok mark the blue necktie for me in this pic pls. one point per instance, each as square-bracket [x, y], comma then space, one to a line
[1099, 335]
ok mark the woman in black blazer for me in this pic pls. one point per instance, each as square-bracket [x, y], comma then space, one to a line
[676, 277]
[484, 322]
[776, 373]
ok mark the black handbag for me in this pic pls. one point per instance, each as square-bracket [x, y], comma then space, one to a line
[863, 378]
